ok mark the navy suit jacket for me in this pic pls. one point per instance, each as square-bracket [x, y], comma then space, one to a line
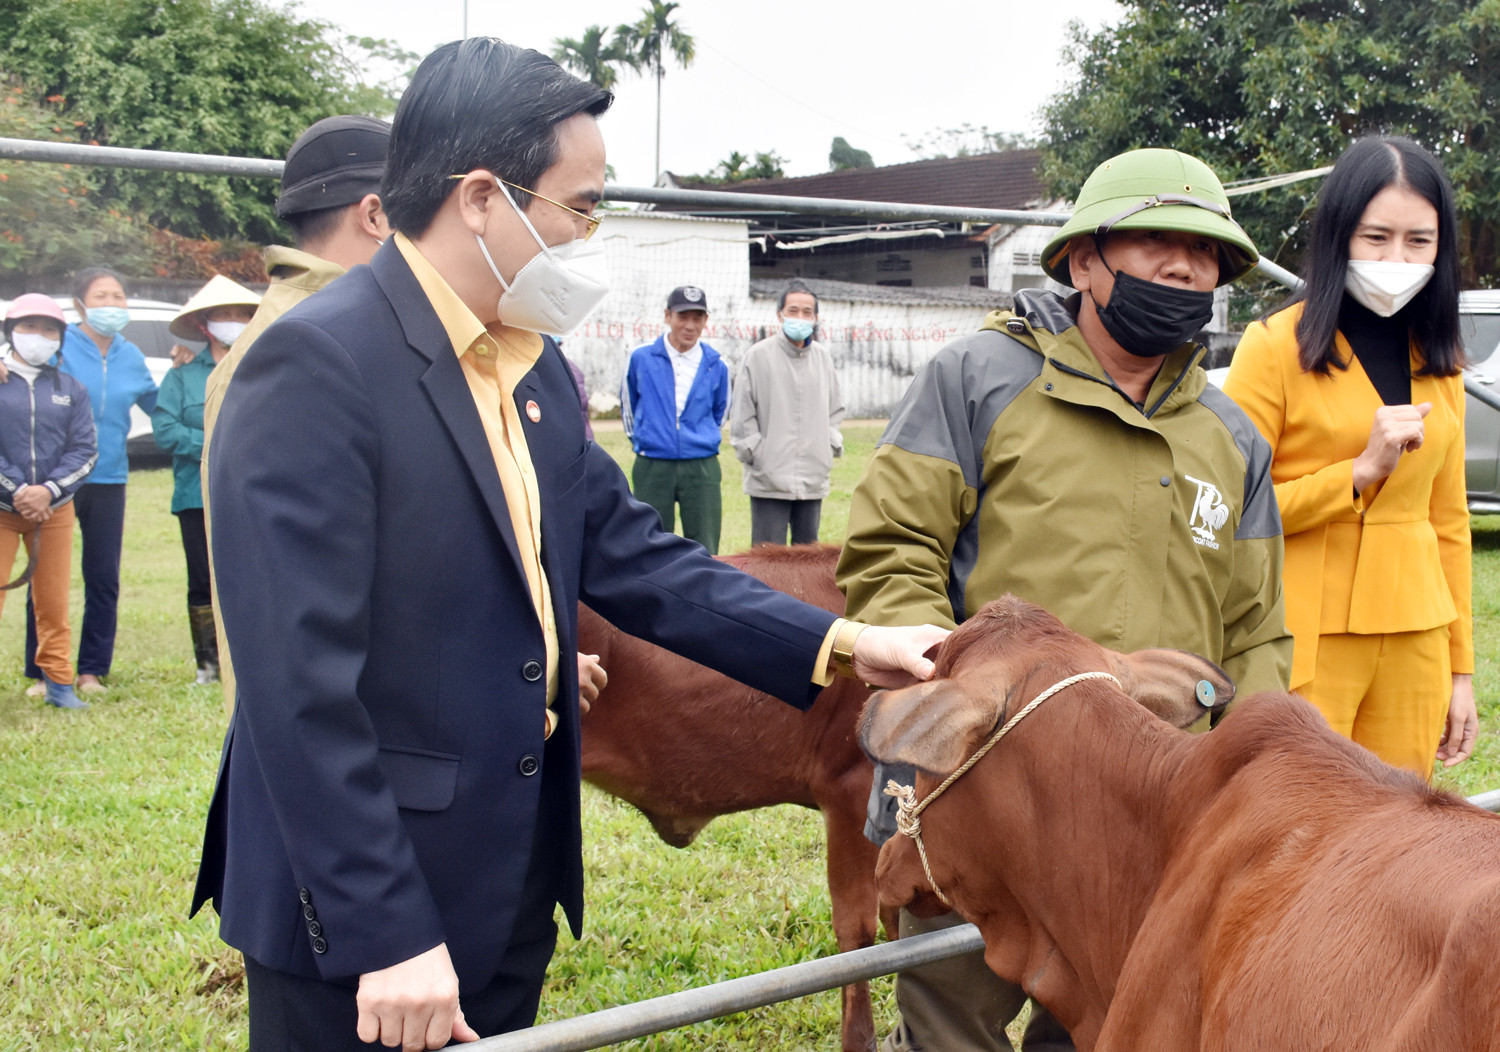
[381, 779]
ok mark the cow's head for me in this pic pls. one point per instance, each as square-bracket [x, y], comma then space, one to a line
[997, 661]
[990, 668]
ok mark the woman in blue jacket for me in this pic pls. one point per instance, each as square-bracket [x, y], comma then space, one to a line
[114, 371]
[46, 450]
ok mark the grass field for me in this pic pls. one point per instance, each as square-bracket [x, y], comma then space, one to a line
[101, 816]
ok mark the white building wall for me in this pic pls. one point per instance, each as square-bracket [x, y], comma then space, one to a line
[877, 347]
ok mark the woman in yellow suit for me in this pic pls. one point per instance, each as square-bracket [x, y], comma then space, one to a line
[1357, 387]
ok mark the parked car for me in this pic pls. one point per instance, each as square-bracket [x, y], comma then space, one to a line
[1479, 327]
[148, 331]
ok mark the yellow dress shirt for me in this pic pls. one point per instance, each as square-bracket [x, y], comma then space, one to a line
[494, 359]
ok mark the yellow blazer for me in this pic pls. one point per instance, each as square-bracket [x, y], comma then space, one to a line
[1394, 559]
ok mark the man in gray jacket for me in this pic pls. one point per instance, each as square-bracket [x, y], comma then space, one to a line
[784, 423]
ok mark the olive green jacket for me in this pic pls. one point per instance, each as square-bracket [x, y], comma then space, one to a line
[1014, 464]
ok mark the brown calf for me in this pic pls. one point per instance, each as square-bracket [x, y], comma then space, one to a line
[1269, 885]
[685, 744]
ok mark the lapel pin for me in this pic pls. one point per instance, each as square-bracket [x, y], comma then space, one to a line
[534, 412]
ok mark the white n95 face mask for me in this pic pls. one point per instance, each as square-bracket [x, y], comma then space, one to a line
[557, 290]
[34, 348]
[1386, 286]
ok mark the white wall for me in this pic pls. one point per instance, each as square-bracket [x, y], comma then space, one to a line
[877, 347]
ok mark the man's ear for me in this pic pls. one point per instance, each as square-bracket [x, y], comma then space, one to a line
[934, 726]
[370, 217]
[476, 198]
[1081, 252]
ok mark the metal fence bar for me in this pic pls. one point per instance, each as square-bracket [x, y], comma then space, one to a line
[737, 995]
[209, 164]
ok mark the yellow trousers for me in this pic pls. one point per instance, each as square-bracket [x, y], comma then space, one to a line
[1388, 692]
[49, 586]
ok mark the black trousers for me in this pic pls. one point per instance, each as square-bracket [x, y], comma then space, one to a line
[195, 548]
[770, 517]
[101, 521]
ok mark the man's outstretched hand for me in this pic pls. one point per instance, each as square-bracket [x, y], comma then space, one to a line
[897, 657]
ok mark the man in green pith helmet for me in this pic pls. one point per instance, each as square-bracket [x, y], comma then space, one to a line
[1073, 452]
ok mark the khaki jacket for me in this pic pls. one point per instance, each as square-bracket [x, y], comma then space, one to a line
[1014, 464]
[1397, 557]
[295, 275]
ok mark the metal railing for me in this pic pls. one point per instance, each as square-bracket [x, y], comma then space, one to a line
[208, 164]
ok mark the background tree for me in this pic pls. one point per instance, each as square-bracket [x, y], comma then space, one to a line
[966, 141]
[235, 77]
[592, 58]
[841, 155]
[649, 42]
[1283, 86]
[738, 167]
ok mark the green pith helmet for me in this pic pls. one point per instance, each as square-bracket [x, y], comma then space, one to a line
[1154, 190]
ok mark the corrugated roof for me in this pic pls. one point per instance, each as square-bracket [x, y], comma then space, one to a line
[987, 180]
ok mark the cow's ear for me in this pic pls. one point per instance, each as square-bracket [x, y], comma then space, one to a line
[933, 726]
[1174, 685]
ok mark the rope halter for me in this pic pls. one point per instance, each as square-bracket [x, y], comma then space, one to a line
[909, 810]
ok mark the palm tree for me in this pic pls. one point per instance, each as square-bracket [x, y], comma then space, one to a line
[593, 59]
[649, 42]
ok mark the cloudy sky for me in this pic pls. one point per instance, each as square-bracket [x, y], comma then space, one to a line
[784, 75]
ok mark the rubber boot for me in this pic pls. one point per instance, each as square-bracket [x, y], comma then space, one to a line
[61, 695]
[205, 643]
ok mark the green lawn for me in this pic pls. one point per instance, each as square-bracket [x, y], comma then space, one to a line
[101, 814]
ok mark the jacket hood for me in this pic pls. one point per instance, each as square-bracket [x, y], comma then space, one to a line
[1048, 324]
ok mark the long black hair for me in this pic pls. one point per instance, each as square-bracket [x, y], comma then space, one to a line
[1365, 169]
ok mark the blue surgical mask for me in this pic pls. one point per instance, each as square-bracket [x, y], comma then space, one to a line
[797, 329]
[107, 321]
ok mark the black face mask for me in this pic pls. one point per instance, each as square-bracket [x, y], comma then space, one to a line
[1150, 320]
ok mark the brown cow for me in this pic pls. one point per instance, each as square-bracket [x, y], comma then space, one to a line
[685, 744]
[1269, 885]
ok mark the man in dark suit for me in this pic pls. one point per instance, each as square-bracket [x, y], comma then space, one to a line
[411, 518]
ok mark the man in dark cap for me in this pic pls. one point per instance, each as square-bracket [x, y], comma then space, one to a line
[676, 394]
[329, 197]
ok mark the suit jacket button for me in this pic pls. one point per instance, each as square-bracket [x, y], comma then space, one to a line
[531, 671]
[528, 765]
[320, 945]
[314, 929]
[309, 912]
[304, 895]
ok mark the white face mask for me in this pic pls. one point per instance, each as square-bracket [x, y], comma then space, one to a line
[226, 332]
[34, 348]
[1386, 287]
[557, 289]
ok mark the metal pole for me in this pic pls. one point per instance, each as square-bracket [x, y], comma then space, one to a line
[120, 157]
[747, 202]
[737, 995]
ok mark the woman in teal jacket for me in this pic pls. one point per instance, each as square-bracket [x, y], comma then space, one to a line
[218, 313]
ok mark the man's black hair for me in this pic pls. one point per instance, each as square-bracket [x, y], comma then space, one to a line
[88, 275]
[309, 228]
[1364, 170]
[796, 285]
[477, 103]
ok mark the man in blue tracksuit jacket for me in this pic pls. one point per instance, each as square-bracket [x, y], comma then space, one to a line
[676, 394]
